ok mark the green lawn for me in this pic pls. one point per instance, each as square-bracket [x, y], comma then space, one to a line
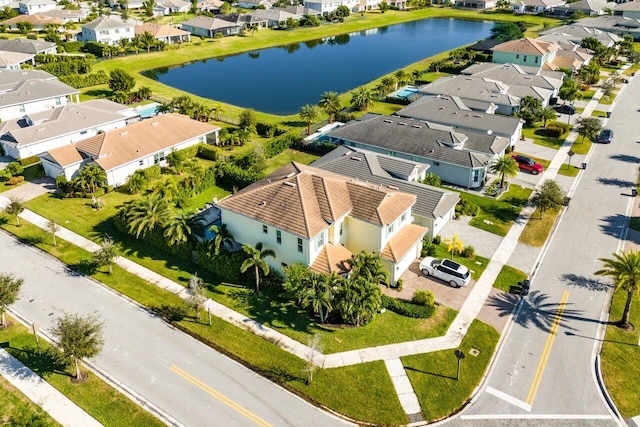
[598, 113]
[476, 265]
[586, 95]
[433, 375]
[539, 136]
[508, 278]
[17, 409]
[30, 174]
[581, 146]
[608, 100]
[497, 216]
[620, 355]
[287, 157]
[95, 396]
[537, 230]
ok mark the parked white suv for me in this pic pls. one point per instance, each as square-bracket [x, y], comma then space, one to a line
[450, 271]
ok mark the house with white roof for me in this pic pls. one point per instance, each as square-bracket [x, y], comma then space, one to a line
[31, 91]
[328, 6]
[32, 7]
[33, 47]
[123, 151]
[587, 7]
[475, 4]
[36, 133]
[535, 6]
[628, 10]
[576, 33]
[321, 219]
[108, 30]
[206, 26]
[618, 25]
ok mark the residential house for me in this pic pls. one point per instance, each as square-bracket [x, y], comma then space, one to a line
[300, 11]
[30, 91]
[253, 4]
[475, 4]
[586, 7]
[317, 218]
[121, 152]
[212, 6]
[108, 30]
[535, 7]
[628, 10]
[33, 7]
[618, 25]
[576, 33]
[525, 51]
[451, 111]
[14, 60]
[38, 22]
[163, 33]
[246, 20]
[276, 18]
[434, 206]
[516, 75]
[36, 133]
[66, 15]
[328, 6]
[131, 4]
[32, 47]
[167, 7]
[460, 158]
[208, 27]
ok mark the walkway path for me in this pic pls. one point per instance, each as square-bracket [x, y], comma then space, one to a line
[44, 394]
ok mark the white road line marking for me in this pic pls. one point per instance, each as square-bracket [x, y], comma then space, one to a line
[536, 417]
[509, 399]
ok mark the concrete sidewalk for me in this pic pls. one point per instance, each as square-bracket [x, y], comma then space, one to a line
[44, 394]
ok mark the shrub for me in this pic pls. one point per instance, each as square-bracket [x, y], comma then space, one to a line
[79, 81]
[468, 252]
[424, 298]
[432, 179]
[32, 36]
[277, 146]
[61, 182]
[14, 169]
[15, 180]
[72, 46]
[28, 161]
[207, 152]
[407, 309]
[436, 240]
[344, 117]
[428, 249]
[268, 130]
[467, 208]
[399, 284]
[229, 175]
[554, 131]
[151, 173]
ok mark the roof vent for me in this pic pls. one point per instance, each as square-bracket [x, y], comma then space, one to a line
[291, 174]
[393, 187]
[290, 184]
[402, 123]
[416, 126]
[356, 158]
[124, 133]
[155, 123]
[441, 108]
[388, 121]
[477, 116]
[262, 203]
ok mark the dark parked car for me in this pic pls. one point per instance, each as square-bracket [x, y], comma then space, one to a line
[565, 109]
[605, 137]
[527, 164]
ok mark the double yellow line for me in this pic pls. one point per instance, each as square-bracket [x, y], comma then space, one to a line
[221, 397]
[537, 377]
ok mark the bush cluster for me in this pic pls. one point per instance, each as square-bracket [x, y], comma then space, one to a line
[28, 161]
[207, 152]
[278, 145]
[468, 252]
[268, 130]
[230, 176]
[407, 309]
[63, 65]
[424, 298]
[15, 180]
[428, 249]
[79, 81]
[467, 208]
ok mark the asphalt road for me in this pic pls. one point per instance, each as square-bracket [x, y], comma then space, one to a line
[545, 373]
[192, 383]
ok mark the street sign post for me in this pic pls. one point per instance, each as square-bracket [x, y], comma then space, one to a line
[459, 356]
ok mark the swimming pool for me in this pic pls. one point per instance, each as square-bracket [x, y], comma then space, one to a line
[406, 92]
[148, 110]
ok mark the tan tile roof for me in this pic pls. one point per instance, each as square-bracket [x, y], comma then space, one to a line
[141, 139]
[402, 241]
[526, 46]
[65, 155]
[159, 31]
[304, 200]
[35, 20]
[332, 258]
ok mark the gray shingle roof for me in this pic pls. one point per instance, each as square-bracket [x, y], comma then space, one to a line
[512, 75]
[106, 22]
[431, 202]
[481, 90]
[19, 88]
[416, 138]
[25, 46]
[451, 111]
[576, 33]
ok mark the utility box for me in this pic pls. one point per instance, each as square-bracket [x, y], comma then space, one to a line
[583, 165]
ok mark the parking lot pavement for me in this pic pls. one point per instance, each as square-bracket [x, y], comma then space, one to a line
[483, 242]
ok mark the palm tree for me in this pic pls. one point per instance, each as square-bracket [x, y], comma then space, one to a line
[362, 98]
[136, 43]
[358, 301]
[388, 83]
[330, 103]
[415, 75]
[401, 76]
[547, 113]
[223, 240]
[256, 260]
[144, 214]
[368, 266]
[505, 166]
[92, 177]
[136, 183]
[319, 295]
[15, 208]
[178, 228]
[217, 110]
[454, 245]
[147, 40]
[624, 268]
[309, 113]
[167, 190]
[124, 44]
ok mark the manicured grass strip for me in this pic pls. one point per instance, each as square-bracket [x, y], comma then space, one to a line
[508, 278]
[539, 136]
[497, 216]
[586, 95]
[18, 409]
[598, 113]
[363, 392]
[620, 355]
[609, 100]
[287, 157]
[433, 375]
[581, 146]
[537, 230]
[95, 396]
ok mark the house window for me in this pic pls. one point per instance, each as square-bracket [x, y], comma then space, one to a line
[141, 162]
[265, 229]
[84, 132]
[320, 241]
[117, 31]
[279, 237]
[21, 108]
[476, 175]
[524, 59]
[58, 101]
[158, 157]
[299, 245]
[404, 217]
[517, 56]
[390, 228]
[536, 60]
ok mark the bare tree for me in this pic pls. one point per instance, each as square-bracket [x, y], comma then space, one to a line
[315, 350]
[197, 294]
[53, 228]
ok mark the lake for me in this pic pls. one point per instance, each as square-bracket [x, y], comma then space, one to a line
[280, 80]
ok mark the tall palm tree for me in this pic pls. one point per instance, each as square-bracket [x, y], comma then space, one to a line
[368, 266]
[362, 98]
[454, 245]
[505, 166]
[147, 40]
[388, 83]
[358, 300]
[217, 110]
[319, 295]
[15, 208]
[167, 190]
[91, 178]
[178, 228]
[223, 240]
[255, 259]
[401, 76]
[547, 113]
[330, 103]
[136, 183]
[624, 268]
[144, 214]
[309, 113]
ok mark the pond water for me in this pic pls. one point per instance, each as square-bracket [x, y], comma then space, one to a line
[280, 80]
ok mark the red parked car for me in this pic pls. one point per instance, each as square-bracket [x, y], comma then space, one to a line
[527, 164]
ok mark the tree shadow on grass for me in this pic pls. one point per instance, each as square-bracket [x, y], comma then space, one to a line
[99, 93]
[43, 363]
[32, 240]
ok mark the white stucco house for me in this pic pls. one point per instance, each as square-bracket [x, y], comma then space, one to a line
[328, 6]
[32, 7]
[108, 30]
[36, 133]
[123, 151]
[31, 91]
[317, 218]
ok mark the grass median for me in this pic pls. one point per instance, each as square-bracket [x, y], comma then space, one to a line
[538, 228]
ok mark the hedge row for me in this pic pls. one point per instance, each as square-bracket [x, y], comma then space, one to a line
[79, 81]
[407, 309]
[277, 146]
